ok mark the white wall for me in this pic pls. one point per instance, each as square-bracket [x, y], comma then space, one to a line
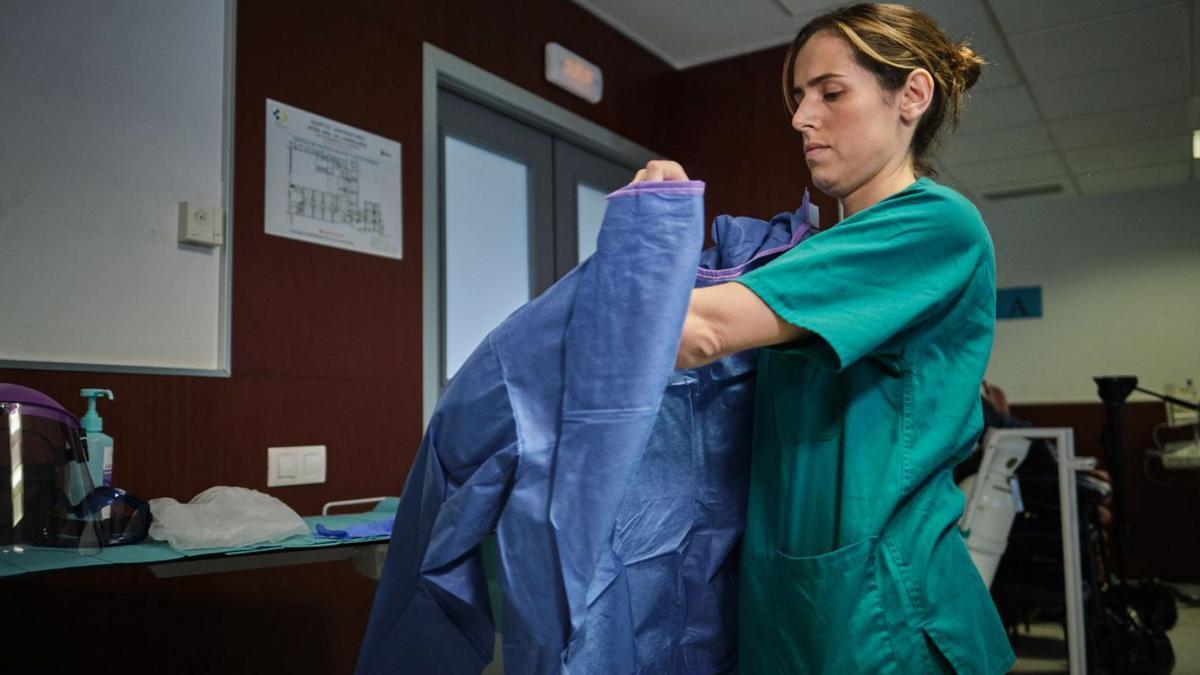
[1120, 278]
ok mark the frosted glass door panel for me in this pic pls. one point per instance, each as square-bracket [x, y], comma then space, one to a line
[487, 269]
[582, 179]
[589, 212]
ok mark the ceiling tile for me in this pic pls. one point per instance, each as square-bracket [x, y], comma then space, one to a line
[998, 144]
[1136, 178]
[953, 184]
[946, 177]
[1063, 181]
[1122, 125]
[1177, 147]
[804, 9]
[1113, 90]
[708, 30]
[994, 108]
[970, 19]
[998, 72]
[1132, 38]
[1011, 169]
[1195, 47]
[1017, 16]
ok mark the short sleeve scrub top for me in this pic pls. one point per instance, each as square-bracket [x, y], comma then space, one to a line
[852, 560]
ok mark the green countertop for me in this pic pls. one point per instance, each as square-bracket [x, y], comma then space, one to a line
[16, 561]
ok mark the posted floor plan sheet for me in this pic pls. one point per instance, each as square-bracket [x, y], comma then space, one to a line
[332, 184]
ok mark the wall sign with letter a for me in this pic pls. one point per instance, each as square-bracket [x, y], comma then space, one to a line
[1019, 303]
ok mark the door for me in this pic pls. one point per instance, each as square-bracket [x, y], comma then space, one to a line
[519, 209]
[582, 179]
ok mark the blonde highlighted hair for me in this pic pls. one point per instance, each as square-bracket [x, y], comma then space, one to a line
[891, 41]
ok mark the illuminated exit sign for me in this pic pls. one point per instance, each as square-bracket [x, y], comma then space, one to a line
[573, 73]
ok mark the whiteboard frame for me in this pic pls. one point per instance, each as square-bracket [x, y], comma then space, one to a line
[224, 319]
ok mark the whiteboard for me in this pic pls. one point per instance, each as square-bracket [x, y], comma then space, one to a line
[113, 113]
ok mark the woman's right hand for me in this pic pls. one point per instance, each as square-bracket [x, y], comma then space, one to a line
[659, 170]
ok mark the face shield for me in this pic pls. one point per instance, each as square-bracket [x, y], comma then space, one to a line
[46, 492]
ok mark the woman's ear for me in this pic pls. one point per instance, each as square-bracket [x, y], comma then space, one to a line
[916, 95]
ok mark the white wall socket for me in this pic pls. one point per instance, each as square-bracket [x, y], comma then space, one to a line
[295, 465]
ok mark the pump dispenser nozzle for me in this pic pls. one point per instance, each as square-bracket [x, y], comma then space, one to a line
[91, 421]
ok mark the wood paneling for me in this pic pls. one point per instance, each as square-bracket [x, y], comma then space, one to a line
[305, 619]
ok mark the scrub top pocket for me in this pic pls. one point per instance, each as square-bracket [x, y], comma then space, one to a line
[824, 602]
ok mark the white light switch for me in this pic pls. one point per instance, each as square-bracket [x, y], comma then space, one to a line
[201, 225]
[314, 465]
[287, 466]
[295, 465]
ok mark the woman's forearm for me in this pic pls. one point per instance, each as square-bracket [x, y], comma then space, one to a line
[729, 318]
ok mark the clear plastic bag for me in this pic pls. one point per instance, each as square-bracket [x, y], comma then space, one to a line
[224, 517]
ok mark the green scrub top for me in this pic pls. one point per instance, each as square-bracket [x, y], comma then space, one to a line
[852, 560]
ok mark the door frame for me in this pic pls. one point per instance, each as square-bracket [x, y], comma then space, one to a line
[441, 69]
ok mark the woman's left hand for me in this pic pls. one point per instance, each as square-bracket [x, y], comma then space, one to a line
[658, 170]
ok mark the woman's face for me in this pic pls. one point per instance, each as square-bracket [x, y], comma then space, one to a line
[852, 128]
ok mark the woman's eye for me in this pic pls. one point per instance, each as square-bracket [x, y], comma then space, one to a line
[833, 95]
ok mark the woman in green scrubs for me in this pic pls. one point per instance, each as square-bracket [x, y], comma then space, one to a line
[876, 334]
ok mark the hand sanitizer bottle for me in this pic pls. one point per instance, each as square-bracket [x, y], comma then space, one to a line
[100, 445]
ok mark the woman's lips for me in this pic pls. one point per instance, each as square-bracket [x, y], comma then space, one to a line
[814, 149]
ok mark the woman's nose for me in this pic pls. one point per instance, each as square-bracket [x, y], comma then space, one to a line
[802, 119]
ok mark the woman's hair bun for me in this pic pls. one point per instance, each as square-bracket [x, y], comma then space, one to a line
[967, 66]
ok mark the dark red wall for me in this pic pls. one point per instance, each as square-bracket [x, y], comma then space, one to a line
[326, 343]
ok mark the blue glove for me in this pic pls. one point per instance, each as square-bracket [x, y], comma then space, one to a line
[379, 528]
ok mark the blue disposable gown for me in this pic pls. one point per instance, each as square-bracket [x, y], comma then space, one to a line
[616, 486]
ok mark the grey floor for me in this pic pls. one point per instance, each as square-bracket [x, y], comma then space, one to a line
[1044, 648]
